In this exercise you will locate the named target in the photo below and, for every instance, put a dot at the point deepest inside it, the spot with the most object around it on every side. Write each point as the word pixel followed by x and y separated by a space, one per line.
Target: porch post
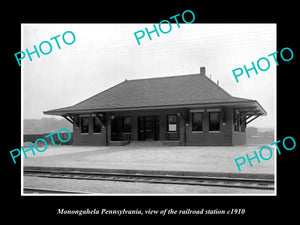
pixel 184 115
pixel 108 128
pixel 182 128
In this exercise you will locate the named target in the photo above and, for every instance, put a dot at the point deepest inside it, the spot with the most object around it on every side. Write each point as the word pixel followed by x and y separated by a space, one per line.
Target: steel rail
pixel 30 190
pixel 234 182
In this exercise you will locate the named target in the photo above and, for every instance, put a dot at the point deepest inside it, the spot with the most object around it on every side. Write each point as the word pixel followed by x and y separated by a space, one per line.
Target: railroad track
pixel 111 175
pixel 29 190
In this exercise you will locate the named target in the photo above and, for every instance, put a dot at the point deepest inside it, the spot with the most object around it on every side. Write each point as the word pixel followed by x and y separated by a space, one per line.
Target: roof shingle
pixel 153 92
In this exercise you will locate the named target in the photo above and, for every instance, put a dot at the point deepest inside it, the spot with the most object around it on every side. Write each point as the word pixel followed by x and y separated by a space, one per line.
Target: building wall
pixel 206 137
pixel 226 135
pixel 89 139
pixel 161 113
pixel 239 138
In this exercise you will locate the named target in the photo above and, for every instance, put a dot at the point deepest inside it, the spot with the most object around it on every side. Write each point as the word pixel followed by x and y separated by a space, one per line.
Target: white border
pixel 22 111
pixel 125 194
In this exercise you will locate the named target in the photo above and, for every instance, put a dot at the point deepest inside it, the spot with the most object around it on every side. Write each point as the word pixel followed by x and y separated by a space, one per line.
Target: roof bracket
pixel 101 118
pixel 72 118
pixel 257 115
pixel 246 114
pixel 71 121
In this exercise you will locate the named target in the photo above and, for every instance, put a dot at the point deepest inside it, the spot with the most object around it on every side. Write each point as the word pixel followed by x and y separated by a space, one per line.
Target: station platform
pixel 204 159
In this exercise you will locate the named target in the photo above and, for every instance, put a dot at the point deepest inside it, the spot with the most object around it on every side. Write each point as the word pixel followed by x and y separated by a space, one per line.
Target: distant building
pixel 252 131
pixel 258 136
pixel 175 110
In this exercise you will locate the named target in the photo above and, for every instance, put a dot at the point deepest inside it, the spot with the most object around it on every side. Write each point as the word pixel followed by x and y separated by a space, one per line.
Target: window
pixel 126 124
pixel 84 122
pixel 172 123
pixel 197 121
pixel 214 121
pixel 96 125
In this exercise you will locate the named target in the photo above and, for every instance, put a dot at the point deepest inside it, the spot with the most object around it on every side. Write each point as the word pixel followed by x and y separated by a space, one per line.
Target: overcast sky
pixel 104 55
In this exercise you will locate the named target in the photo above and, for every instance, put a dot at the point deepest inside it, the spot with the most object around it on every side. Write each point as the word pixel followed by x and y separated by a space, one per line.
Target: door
pixel 148 128
pixel 141 128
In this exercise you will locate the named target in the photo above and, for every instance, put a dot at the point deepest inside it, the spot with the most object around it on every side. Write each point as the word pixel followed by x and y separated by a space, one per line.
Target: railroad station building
pixel 175 110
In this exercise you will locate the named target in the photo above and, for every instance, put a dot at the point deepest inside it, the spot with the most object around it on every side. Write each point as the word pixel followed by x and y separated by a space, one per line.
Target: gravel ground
pixel 179 158
pixel 113 187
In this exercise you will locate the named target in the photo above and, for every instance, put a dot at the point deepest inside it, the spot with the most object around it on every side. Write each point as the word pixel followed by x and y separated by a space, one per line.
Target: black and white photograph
pixel 149 111
pixel 106 112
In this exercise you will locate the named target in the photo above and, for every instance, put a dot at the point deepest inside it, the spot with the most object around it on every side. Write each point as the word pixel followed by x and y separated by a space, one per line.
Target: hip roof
pixel 173 91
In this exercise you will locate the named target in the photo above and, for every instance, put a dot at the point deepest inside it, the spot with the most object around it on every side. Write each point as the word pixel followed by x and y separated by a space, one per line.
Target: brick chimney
pixel 202 71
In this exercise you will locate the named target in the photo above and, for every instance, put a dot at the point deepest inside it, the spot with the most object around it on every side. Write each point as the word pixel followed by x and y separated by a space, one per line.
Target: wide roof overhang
pixel 248 107
pixel 248 110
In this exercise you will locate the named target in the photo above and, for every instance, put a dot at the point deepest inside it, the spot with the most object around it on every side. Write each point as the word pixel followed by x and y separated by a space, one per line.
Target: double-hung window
pixel 126 124
pixel 214 121
pixel 96 125
pixel 197 121
pixel 84 125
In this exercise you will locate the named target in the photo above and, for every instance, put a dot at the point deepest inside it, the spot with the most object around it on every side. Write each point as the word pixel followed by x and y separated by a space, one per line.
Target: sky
pixel 104 55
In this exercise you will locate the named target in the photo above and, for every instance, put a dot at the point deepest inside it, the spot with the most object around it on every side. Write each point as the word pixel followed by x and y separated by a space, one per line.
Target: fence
pixel 64 136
